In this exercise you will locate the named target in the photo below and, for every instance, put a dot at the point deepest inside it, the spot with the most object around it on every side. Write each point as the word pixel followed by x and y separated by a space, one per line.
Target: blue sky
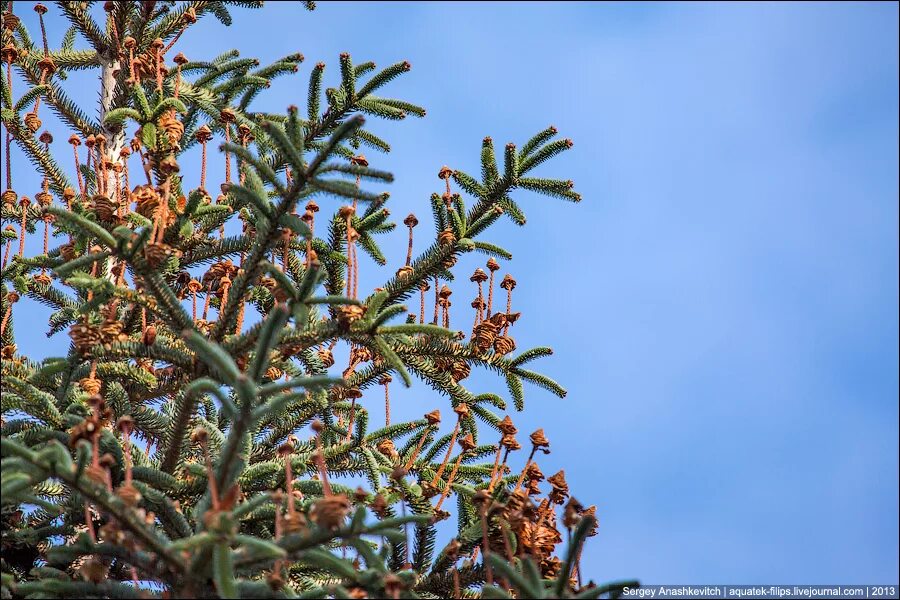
pixel 723 303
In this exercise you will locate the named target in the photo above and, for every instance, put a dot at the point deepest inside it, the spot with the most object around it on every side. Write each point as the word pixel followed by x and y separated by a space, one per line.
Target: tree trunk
pixel 115 140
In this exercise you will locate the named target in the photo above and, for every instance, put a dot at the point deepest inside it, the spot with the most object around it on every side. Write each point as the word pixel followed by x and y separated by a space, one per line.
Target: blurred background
pixel 723 303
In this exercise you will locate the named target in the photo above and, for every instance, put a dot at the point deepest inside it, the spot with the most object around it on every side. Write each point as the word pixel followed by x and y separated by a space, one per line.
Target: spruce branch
pixel 213 352
pixel 57 464
pixel 35 153
pixel 77 13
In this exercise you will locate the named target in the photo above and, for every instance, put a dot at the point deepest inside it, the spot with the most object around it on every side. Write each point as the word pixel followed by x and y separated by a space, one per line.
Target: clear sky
pixel 723 303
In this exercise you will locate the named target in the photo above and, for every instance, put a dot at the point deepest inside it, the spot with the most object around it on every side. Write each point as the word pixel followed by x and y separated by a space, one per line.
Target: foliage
pixel 161 457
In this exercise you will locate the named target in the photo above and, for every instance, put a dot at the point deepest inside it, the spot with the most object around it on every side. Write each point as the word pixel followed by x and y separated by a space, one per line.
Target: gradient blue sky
pixel 723 303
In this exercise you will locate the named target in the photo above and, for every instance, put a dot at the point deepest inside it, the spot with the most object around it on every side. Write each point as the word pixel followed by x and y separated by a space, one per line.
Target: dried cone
pixel 506 426
pixel 484 334
pixel 32 122
pixel 112 331
pixel 447 237
pixel 203 134
pixel 386 447
pixel 360 354
pixel 345 212
pixel 294 522
pixel 11 233
pixel 146 364
pixel 84 337
pixel 245 133
pixel 224 286
pixel 538 539
pixel 172 127
pixel 289 349
pixel 360 495
pixel 591 513
pixel 349 313
pixel 226 115
pixel 83 431
pixel 146 200
pixel 504 344
pixel 104 207
pixel 326 357
pixel 560 490
pixel 90 385
pixel 169 165
pixel 67 251
pixel 509 441
pixel 572 513
pixel 379 505
pixel 518 501
pixel 10 21
pixel 47 64
pixel 9 53
pixel 217 271
pixel 462 410
pixel 157 253
pixel 45 199
pixel 148 338
pixel 459 370
pixel 550 567
pixel 398 473
pixel 539 440
pixel 533 472
pixel 331 511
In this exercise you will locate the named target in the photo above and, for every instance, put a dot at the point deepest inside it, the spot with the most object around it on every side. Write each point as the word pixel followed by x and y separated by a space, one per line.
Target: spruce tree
pixel 197 438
